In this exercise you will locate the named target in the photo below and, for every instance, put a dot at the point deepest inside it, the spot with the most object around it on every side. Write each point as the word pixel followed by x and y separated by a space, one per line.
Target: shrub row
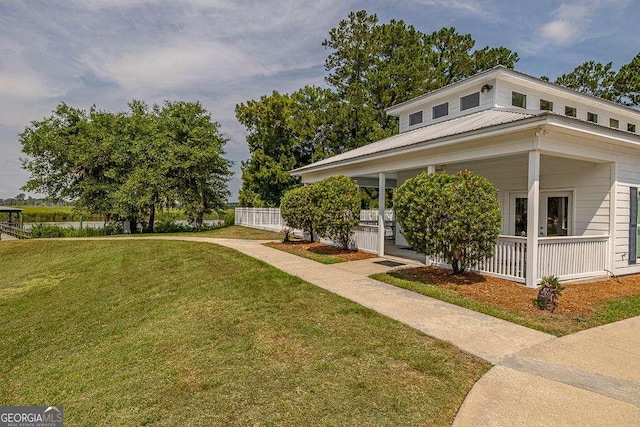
pixel 329 208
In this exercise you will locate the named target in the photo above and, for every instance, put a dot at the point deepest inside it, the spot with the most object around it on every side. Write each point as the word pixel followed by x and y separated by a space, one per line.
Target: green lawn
pixel 143 332
pixel 239 232
pixel 317 257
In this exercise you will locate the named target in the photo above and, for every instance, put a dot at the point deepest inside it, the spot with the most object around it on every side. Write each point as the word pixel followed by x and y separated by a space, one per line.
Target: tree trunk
pixel 455 265
pixel 152 217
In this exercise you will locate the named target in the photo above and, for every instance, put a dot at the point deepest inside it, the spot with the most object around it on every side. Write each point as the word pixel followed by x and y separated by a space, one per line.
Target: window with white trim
pixel 415 118
pixel 470 101
pixel 546 105
pixel 518 99
pixel 570 111
pixel 441 110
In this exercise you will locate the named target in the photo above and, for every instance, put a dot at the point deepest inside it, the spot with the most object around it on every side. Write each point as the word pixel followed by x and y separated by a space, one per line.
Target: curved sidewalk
pixel 591 378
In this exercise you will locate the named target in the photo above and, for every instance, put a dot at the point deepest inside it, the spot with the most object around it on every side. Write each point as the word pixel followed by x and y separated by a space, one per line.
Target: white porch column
pixel 533 211
pixel 381 202
pixel 430 169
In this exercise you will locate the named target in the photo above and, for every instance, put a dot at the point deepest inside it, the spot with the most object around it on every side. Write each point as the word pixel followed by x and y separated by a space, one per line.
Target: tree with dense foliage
pixel 592 78
pixel 299 209
pixel 126 165
pixel 601 80
pixel 338 208
pixel 627 83
pixel 371 66
pixel 453 217
pixel 285 132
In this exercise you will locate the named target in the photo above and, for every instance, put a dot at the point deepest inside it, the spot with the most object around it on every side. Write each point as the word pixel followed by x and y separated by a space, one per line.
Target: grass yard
pixel 238 232
pixel 320 252
pixel 143 332
pixel 67 213
pixel 580 306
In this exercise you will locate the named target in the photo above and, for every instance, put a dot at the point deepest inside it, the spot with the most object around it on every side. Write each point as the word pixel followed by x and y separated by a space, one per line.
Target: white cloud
pixel 573 21
pixel 484 10
pixel 561 32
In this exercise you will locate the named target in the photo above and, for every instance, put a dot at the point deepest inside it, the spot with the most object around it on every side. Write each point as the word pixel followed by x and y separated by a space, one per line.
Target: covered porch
pixel 557 214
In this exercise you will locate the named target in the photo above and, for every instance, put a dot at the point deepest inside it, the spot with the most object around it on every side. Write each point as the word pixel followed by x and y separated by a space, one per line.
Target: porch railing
pixel 565 257
pixel 572 257
pixel 366 238
pixel 372 215
pixel 509 260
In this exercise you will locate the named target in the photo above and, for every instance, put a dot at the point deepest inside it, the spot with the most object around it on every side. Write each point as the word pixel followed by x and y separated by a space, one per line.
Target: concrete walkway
pixel 487 337
pixel 591 378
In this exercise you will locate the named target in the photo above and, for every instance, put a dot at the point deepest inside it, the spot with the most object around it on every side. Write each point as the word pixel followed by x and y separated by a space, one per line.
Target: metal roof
pixel 6 209
pixel 459 125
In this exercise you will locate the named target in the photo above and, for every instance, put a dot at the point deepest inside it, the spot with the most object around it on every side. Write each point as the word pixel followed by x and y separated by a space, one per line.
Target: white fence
pixel 572 257
pixel 371 215
pixel 262 218
pixel 365 236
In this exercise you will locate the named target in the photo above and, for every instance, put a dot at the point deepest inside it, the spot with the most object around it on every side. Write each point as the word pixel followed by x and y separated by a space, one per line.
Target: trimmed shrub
pixel 299 209
pixel 454 217
pixel 338 203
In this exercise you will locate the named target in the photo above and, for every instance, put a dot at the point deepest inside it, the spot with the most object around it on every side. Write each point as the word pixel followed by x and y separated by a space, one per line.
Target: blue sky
pixel 106 52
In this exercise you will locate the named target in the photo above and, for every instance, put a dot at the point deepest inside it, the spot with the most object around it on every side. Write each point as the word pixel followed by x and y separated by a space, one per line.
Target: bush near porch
pixel 581 305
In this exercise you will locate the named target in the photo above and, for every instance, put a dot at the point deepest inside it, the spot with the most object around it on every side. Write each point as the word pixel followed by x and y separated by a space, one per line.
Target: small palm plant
pixel 549 293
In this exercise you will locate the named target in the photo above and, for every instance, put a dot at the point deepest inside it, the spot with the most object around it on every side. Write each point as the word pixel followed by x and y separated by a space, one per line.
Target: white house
pixel 566 166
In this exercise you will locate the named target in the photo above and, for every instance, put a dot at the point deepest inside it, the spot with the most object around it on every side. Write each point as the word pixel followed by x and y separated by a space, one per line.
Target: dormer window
pixel 518 99
pixel 441 110
pixel 613 123
pixel 470 101
pixel 592 117
pixel 570 111
pixel 546 105
pixel 631 127
pixel 415 118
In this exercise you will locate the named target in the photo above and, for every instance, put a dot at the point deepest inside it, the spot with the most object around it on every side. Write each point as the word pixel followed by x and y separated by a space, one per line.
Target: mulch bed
pixel 324 249
pixel 578 299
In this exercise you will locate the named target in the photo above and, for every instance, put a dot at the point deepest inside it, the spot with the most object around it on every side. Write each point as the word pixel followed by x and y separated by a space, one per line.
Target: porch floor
pixel 390 248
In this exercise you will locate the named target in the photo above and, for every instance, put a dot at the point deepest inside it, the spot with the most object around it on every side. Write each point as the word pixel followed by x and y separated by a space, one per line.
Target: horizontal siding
pixel 486 102
pixel 589 182
pixel 628 175
pixel 503 99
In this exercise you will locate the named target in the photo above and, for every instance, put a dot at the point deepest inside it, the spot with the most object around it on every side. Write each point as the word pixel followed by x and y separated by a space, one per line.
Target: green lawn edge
pixel 149 332
pixel 609 312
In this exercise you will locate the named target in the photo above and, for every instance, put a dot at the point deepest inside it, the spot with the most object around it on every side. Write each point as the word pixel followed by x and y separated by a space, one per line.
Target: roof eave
pixel 521 124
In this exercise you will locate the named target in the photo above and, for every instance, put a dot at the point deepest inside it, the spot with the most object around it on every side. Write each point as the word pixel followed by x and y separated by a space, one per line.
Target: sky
pixel 107 52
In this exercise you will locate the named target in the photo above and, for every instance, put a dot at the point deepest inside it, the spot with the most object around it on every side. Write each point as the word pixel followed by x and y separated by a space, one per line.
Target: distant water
pixel 100 224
